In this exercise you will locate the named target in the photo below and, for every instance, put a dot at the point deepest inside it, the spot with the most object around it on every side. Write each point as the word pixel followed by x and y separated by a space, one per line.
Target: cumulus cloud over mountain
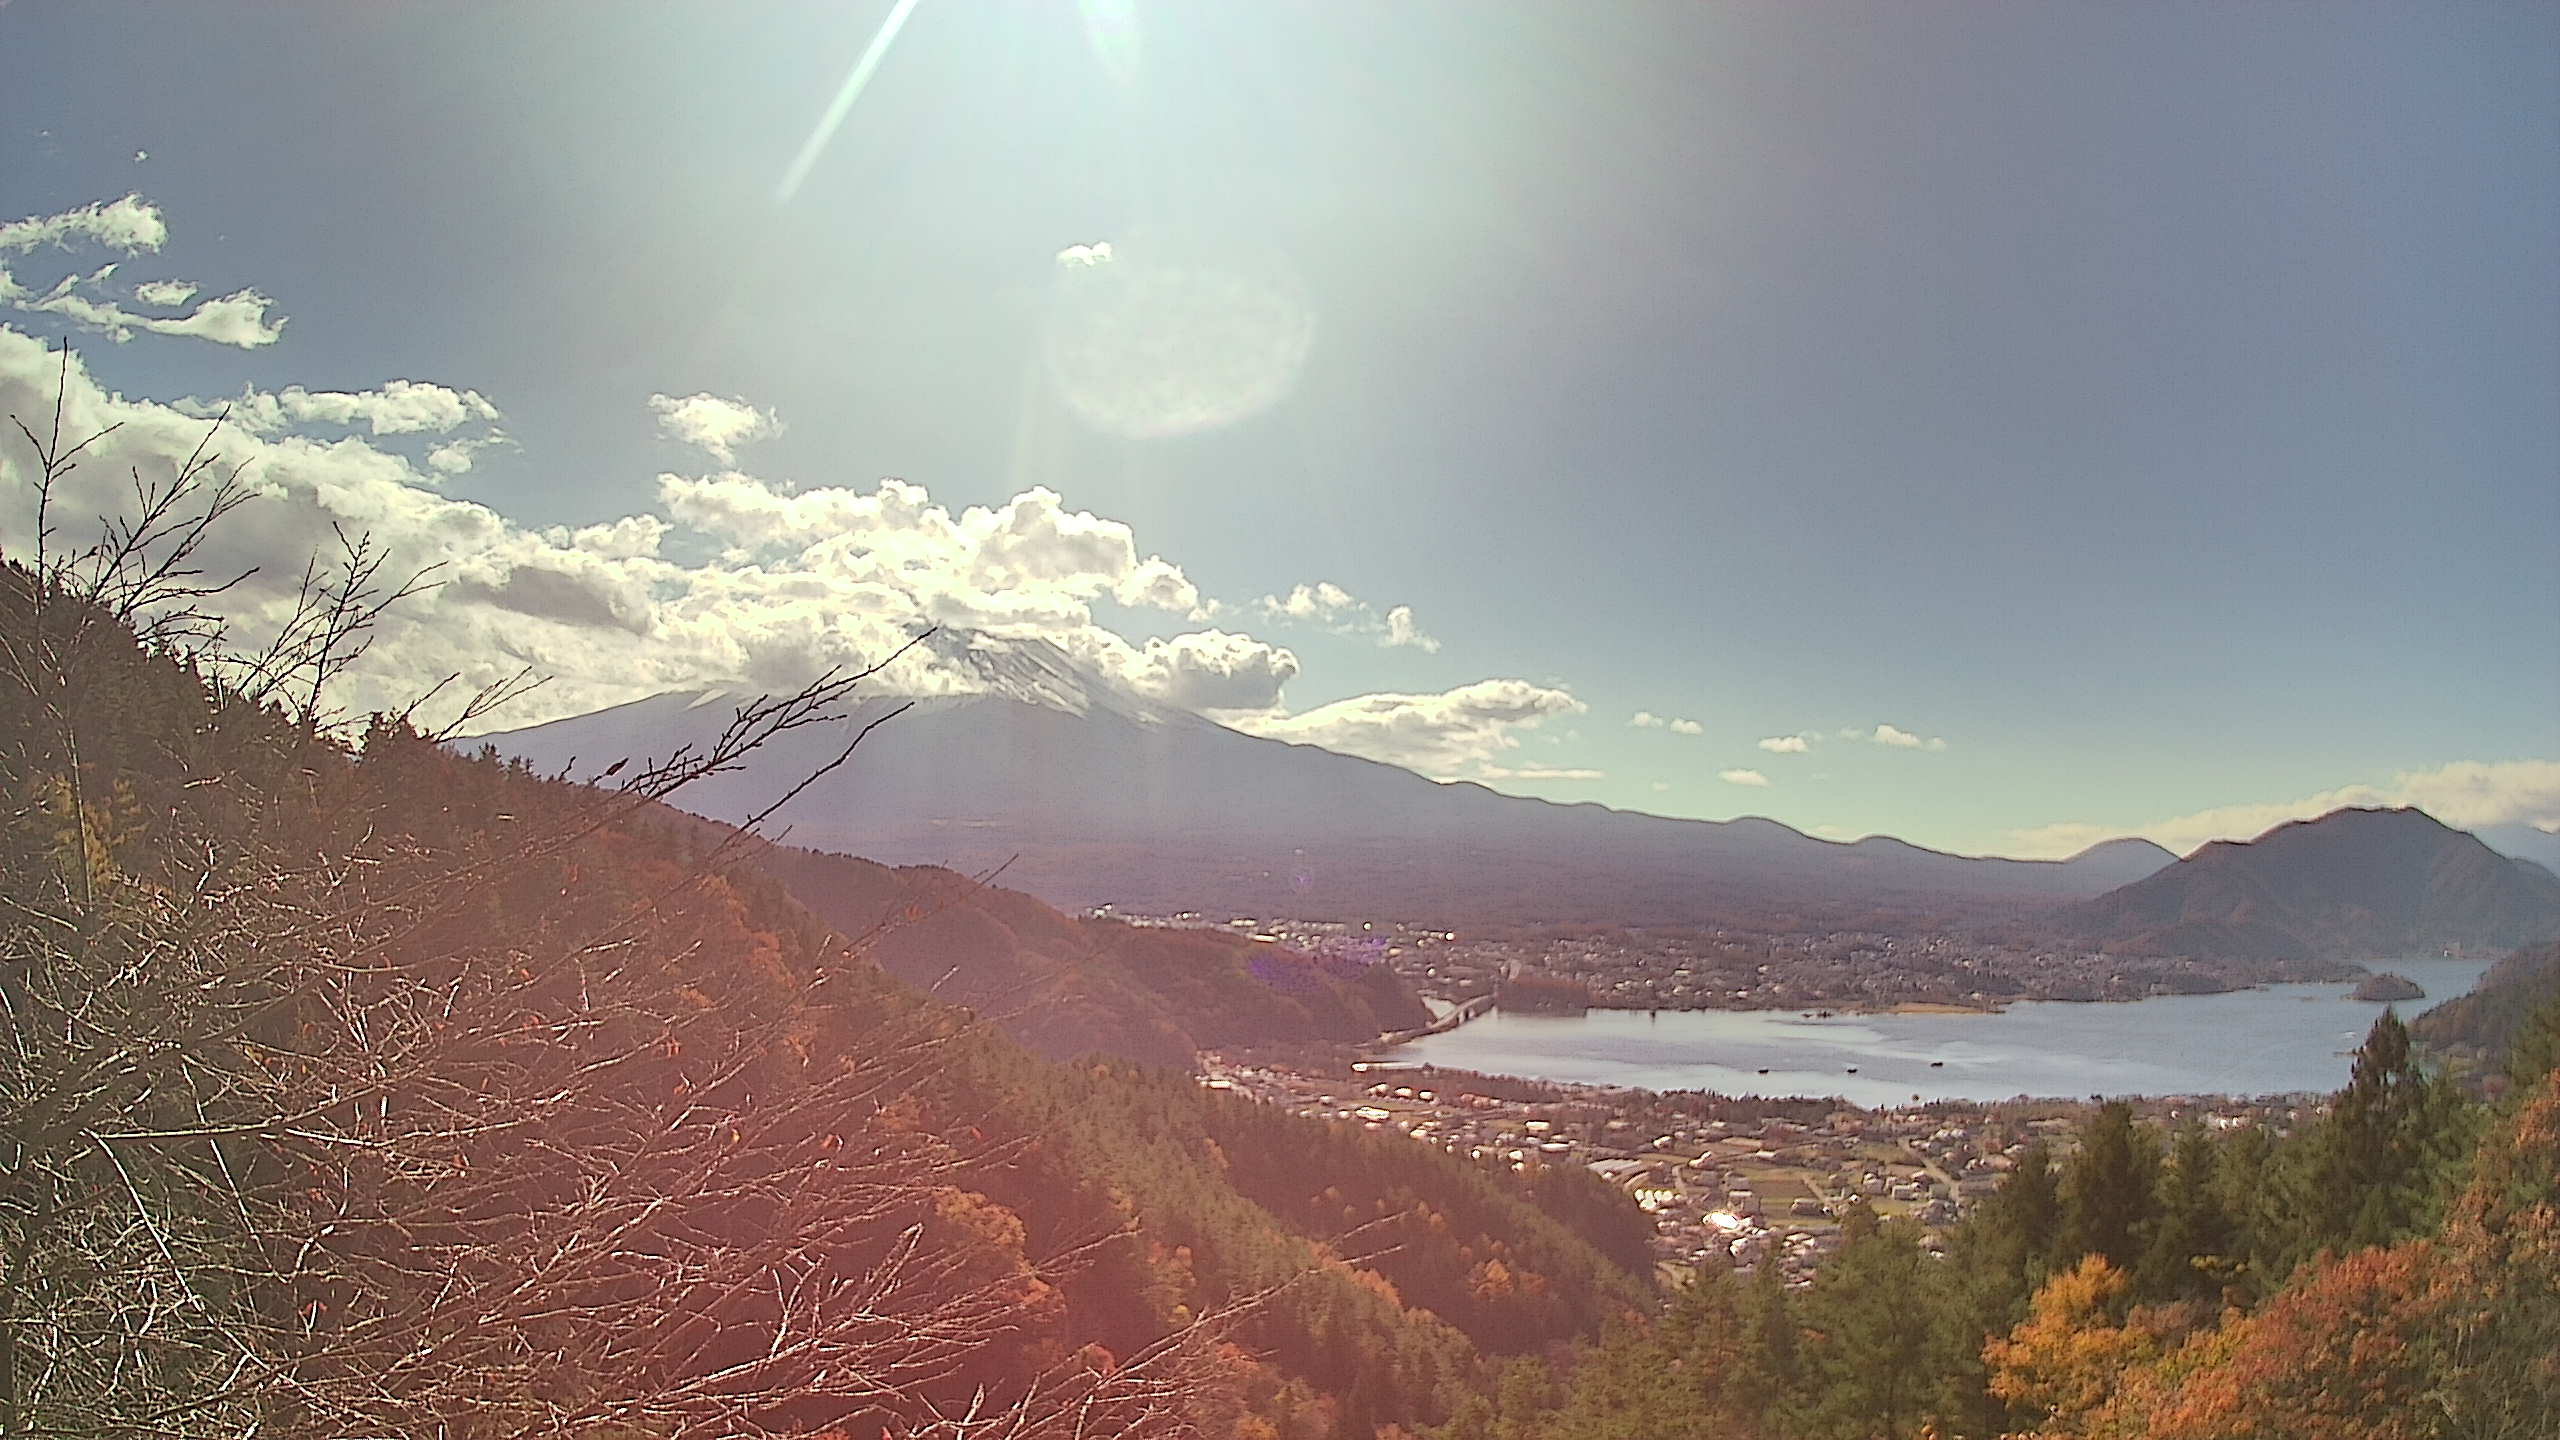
pixel 734 580
pixel 1455 733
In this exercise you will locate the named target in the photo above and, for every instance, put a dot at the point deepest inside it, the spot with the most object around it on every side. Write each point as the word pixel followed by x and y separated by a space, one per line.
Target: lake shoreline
pixel 2280 1039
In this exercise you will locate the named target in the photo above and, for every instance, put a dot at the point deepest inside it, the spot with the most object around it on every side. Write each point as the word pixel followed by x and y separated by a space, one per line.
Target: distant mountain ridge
pixel 2524 842
pixel 1096 795
pixel 2354 884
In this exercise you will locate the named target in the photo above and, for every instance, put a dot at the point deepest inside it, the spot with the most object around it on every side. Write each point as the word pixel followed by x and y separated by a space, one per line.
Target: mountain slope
pixel 1097 797
pixel 2483 1020
pixel 2351 885
pixel 1066 987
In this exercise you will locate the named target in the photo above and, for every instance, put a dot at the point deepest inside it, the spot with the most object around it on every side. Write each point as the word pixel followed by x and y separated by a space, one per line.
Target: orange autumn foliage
pixel 2454 1335
pixel 2064 1359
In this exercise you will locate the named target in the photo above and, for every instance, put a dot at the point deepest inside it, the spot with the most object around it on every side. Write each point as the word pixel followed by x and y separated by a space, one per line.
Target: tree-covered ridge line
pixel 359 1087
pixel 1066 986
pixel 2479 1030
pixel 2389 1271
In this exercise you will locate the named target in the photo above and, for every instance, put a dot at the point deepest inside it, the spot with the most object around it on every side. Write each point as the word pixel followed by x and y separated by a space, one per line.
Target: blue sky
pixel 2157 407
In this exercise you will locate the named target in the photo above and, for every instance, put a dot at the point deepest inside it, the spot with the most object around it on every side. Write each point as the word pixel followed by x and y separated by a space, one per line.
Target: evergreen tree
pixel 1769 1333
pixel 2107 1189
pixel 2029 1206
pixel 2377 1168
pixel 1878 1351
pixel 1991 1271
pixel 2242 1187
pixel 2191 1244
pixel 2534 1052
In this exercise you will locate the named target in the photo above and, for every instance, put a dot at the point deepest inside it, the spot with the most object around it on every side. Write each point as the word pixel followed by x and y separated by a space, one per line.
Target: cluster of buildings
pixel 1846 969
pixel 1755 1181
pixel 1739 969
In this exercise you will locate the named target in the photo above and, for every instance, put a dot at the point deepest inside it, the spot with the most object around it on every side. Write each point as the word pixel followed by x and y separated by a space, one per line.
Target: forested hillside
pixel 364 1088
pixel 2481 1026
pixel 1066 986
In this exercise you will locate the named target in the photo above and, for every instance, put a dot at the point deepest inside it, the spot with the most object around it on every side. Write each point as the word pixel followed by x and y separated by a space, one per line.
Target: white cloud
pixel 1895 737
pixel 1085 257
pixel 1159 584
pixel 1647 720
pixel 400 407
pixel 1659 786
pixel 712 424
pixel 1455 734
pixel 1330 606
pixel 629 538
pixel 131 224
pixel 1403 633
pixel 1540 772
pixel 1324 602
pixel 735 582
pixel 237 319
pixel 2466 794
pixel 1211 670
pixel 1687 727
pixel 1787 744
pixel 1743 777
pixel 776 586
pixel 1031 565
pixel 456 456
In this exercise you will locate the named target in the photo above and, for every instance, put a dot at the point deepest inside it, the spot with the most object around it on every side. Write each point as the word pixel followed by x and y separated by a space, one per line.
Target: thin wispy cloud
pixel 1330 607
pixel 92 300
pixel 2467 794
pixel 1540 772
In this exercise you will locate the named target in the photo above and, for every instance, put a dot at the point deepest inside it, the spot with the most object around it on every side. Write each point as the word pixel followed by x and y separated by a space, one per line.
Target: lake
pixel 2276 1040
